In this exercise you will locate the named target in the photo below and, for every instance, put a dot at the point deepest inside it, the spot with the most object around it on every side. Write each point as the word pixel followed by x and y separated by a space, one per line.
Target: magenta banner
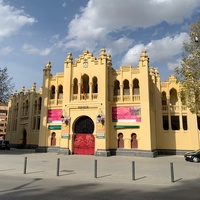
pixel 126 114
pixel 54 115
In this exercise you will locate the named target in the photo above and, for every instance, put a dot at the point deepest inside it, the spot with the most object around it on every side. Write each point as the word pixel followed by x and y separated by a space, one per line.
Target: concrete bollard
pixel 25 165
pixel 172 172
pixel 133 170
pixel 95 168
pixel 58 166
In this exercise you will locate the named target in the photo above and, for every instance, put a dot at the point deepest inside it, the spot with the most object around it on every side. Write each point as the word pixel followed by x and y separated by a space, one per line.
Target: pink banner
pixel 54 115
pixel 126 114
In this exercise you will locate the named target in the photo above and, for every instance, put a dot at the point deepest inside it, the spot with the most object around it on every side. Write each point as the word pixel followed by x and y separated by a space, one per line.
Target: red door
pixel 84 144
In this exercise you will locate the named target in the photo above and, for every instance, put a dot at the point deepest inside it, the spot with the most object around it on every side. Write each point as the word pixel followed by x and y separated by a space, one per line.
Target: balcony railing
pixel 136 98
pixel 95 96
pixel 51 101
pixel 126 98
pixel 174 108
pixel 116 98
pixel 60 101
pixel 184 108
pixel 84 96
pixel 74 97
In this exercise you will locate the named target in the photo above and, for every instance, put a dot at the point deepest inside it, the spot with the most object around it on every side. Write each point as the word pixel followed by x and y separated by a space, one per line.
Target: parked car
pixel 4 144
pixel 193 156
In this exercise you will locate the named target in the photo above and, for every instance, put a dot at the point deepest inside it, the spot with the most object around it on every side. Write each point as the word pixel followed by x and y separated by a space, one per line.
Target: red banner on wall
pixel 126 114
pixel 54 115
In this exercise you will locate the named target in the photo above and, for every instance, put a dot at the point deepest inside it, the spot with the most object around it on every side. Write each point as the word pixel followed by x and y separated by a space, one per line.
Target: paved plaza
pixel 29 175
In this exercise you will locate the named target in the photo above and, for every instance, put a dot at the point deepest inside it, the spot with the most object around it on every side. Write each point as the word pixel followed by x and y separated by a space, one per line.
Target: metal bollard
pixel 95 168
pixel 133 170
pixel 58 166
pixel 172 172
pixel 25 165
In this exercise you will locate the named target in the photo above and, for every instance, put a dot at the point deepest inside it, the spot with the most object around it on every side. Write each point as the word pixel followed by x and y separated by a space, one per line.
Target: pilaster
pixel 43 135
pixel 146 136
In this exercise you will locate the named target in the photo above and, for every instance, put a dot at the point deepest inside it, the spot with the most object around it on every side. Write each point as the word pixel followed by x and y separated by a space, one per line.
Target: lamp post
pixel 62 118
pixel 99 117
pixel 64 114
pixel 196 39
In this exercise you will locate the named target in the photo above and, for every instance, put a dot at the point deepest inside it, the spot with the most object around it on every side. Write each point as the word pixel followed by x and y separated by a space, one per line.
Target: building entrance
pixel 84 141
pixel 24 139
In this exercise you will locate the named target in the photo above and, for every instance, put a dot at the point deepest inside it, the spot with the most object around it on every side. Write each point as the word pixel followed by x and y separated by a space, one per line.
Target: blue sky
pixel 33 32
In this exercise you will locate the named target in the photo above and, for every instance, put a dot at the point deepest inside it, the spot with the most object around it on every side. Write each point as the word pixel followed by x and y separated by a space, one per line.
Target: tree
pixel 6 86
pixel 188 75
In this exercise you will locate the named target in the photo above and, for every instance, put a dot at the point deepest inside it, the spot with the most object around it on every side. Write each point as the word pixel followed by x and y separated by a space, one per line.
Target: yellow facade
pixel 3 119
pixel 91 108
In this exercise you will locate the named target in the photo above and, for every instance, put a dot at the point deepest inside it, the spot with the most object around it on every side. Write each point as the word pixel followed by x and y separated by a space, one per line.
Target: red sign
pixel 54 115
pixel 84 144
pixel 126 114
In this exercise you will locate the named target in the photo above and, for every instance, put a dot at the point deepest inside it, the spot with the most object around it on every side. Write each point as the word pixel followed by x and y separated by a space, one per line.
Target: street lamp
pixel 62 118
pixel 196 39
pixel 99 118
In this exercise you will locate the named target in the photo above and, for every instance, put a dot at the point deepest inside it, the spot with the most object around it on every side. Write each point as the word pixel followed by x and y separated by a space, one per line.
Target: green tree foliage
pixel 189 72
pixel 6 86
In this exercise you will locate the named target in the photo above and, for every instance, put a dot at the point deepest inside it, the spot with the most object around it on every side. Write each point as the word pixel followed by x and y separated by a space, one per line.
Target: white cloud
pixel 30 49
pixel 12 20
pixel 133 54
pixel 171 65
pixel 161 1
pixel 99 19
pixel 6 50
pixel 165 49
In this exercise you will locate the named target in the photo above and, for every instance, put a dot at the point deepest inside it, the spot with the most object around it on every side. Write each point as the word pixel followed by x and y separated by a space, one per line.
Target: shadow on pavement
pixel 43 190
pixel 14 151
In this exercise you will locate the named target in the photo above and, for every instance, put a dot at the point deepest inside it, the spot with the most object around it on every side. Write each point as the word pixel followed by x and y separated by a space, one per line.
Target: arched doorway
pixel 24 138
pixel 53 139
pixel 134 142
pixel 120 140
pixel 84 138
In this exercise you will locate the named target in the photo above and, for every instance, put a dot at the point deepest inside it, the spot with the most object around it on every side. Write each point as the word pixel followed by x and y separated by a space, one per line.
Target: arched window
pixel 17 108
pixel 35 107
pixel 60 92
pixel 75 86
pixel 85 84
pixel 94 85
pixel 126 90
pixel 136 88
pixel 164 99
pixel 173 97
pixel 15 117
pixel 40 103
pixel 52 94
pixel 26 108
pixel 116 88
pixel 23 109
pixel 120 140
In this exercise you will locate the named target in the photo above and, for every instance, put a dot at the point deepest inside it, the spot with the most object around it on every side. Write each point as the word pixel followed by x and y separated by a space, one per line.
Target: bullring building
pixel 93 109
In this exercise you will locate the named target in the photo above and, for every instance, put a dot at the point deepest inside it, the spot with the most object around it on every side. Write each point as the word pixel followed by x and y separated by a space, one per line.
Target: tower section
pixel 43 135
pixel 85 97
